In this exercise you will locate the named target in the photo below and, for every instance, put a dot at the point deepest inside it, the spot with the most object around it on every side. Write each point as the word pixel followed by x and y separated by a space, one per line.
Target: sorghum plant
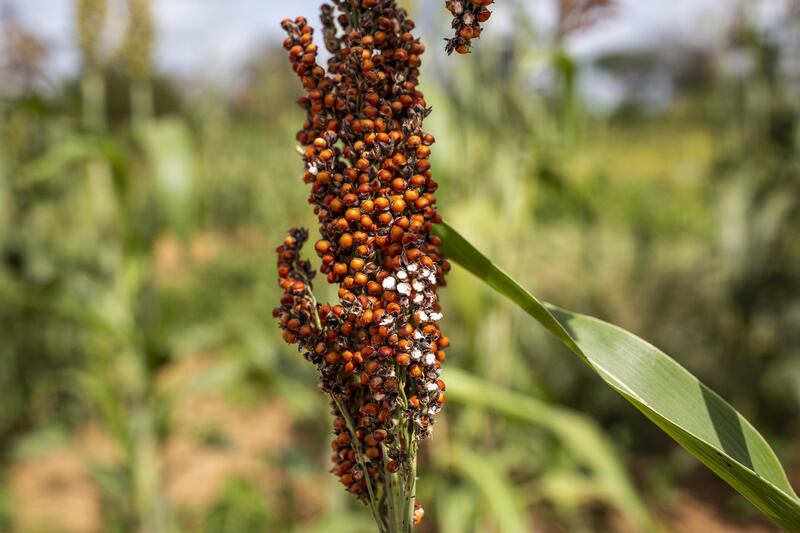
pixel 467 18
pixel 90 22
pixel 379 350
pixel 137 52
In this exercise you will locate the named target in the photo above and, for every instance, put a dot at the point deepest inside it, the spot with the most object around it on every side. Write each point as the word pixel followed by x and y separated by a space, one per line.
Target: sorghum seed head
pixel 467 18
pixel 367 160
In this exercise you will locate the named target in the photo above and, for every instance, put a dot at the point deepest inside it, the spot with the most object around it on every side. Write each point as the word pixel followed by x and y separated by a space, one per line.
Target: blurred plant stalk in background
pixel 137 53
pixel 90 21
pixel 130 404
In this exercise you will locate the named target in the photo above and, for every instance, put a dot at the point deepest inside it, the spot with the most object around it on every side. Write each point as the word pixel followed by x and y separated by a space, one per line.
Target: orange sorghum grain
pixel 367 162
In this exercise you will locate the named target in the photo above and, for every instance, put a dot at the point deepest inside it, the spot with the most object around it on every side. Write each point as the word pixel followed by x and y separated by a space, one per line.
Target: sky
pixel 207 36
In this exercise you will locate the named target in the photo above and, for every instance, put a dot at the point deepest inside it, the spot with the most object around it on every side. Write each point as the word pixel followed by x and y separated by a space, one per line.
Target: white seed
pixel 416 353
pixel 432 386
pixel 404 289
pixel 412 267
pixel 389 283
pixel 429 358
pixel 418 297
pixel 418 285
pixel 436 316
pixel 423 316
pixel 401 274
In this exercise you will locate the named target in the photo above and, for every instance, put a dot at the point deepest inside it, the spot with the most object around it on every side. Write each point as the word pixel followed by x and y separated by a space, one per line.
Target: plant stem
pixel 141 94
pixel 93 96
pixel 400 493
pixel 373 502
pixel 403 483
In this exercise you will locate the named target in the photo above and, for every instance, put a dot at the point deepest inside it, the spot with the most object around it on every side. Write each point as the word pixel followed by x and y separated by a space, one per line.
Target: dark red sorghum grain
pixel 379 350
pixel 467 18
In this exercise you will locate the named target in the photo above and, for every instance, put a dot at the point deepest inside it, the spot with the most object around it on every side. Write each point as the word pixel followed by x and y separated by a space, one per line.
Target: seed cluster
pixel 467 18
pixel 379 350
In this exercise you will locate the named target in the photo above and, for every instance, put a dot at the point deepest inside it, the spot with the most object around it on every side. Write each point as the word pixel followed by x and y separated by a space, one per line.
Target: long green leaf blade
pixel 495 487
pixel 669 395
pixel 579 435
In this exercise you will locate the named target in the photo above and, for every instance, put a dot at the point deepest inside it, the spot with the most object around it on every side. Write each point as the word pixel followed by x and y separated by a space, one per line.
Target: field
pixel 144 385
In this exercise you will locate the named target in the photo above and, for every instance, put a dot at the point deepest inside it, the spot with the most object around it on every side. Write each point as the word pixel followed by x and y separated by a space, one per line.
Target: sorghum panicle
pixel 379 350
pixel 467 18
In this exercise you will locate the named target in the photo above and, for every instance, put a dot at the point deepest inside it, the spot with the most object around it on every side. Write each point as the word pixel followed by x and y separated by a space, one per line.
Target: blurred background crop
pixel 635 160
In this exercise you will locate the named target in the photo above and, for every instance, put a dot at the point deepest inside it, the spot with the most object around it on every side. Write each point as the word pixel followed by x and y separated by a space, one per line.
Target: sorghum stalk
pixel 90 19
pixel 379 350
pixel 137 51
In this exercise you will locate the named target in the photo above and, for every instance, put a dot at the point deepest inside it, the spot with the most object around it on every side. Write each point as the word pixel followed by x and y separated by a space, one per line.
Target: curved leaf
pixel 668 394
pixel 493 485
pixel 579 435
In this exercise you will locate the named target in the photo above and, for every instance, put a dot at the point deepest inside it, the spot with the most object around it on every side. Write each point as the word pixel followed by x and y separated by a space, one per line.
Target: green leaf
pixel 669 395
pixel 580 436
pixel 168 147
pixel 455 508
pixel 493 485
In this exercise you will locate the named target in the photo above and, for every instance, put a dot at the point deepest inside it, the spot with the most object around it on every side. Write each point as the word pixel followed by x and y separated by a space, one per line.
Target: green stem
pixel 373 502
pixel 146 462
pixel 314 310
pixel 352 16
pixel 412 481
pixel 4 185
pixel 93 96
pixel 141 94
pixel 403 483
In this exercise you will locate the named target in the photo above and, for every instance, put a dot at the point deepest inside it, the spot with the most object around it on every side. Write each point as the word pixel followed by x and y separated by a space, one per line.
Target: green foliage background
pixel 143 383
